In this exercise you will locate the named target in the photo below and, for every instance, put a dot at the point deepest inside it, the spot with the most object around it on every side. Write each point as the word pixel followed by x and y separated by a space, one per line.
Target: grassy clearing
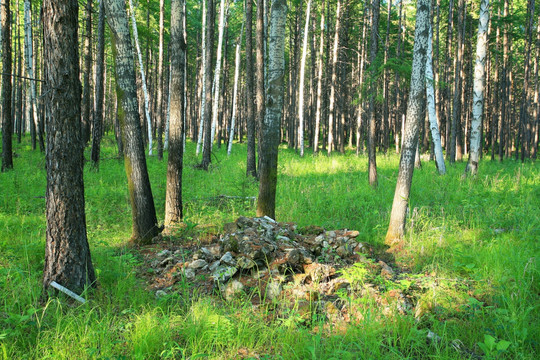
pixel 476 239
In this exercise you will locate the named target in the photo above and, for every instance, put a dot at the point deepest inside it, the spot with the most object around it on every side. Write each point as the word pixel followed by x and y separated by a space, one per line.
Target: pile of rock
pixel 279 259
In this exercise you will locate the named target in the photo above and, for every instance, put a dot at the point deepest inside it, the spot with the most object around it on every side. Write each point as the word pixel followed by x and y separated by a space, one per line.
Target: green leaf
pixel 489 341
pixel 503 345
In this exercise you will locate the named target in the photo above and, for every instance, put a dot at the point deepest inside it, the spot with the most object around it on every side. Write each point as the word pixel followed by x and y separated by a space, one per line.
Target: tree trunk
pixel 478 94
pixel 143 78
pixel 173 202
pixel 235 91
pixel 223 10
pixel 432 112
pixel 320 63
pixel 67 254
pixel 333 83
pixel 301 86
pixel 266 204
pixel 86 114
pixel 456 106
pixel 251 165
pixel 7 119
pixel 260 73
pixel 203 79
pixel 207 148
pixel 142 203
pixel 160 82
pixel 100 87
pixel 396 228
pixel 372 92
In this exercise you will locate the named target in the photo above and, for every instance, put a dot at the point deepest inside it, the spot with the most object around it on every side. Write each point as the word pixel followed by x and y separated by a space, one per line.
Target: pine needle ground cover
pixel 470 263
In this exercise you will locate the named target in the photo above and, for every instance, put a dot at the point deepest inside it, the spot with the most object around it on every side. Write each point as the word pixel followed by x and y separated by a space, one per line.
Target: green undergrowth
pixel 472 245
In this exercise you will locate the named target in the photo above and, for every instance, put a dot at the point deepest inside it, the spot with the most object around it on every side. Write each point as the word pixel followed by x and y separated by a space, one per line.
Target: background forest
pixel 461 283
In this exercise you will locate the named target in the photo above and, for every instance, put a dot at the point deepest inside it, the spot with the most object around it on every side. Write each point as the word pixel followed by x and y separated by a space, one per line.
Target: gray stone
pixel 344 250
pixel 223 273
pixel 166 262
pixel 387 272
pixel 197 264
pixel 213 266
pixel 189 273
pixel 245 263
pixel 233 289
pixel 163 253
pixel 294 257
pixel 228 259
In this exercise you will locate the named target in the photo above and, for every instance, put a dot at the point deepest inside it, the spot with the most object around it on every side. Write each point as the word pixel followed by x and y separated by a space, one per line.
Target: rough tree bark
pixel 266 203
pixel 372 156
pixel 140 194
pixel 7 119
pixel 478 93
pixel 67 254
pixel 173 201
pixel 396 228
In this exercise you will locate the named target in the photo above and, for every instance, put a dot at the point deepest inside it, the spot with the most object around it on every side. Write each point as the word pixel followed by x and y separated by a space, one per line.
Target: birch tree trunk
pixel 217 72
pixel 432 112
pixel 167 123
pixel 235 91
pixel 7 118
pixel 478 93
pixel 140 193
pixel 266 203
pixel 143 77
pixel 301 85
pixel 100 86
pixel 203 72
pixel 67 254
pixel 173 201
pixel 396 228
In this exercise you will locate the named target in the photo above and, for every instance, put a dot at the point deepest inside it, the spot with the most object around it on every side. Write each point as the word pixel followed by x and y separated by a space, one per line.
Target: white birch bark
pixel 29 55
pixel 217 72
pixel 396 229
pixel 432 112
pixel 266 202
pixel 478 88
pixel 203 96
pixel 235 89
pixel 301 89
pixel 143 78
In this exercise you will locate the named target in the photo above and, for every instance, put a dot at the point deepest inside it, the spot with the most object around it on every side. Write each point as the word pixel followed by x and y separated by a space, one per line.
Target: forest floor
pixel 465 285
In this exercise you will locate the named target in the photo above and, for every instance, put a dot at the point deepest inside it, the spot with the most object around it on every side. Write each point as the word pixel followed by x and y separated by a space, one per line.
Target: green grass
pixel 476 238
